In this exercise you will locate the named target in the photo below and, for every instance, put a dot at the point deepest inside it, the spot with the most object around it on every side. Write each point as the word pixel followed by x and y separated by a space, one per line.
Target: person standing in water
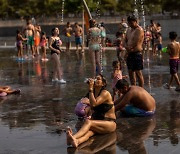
pixel 78 32
pixel 37 36
pixel 94 36
pixel 54 45
pixel 29 32
pixel 68 32
pixel 134 46
pixel 19 44
pixel 43 43
pixel 173 50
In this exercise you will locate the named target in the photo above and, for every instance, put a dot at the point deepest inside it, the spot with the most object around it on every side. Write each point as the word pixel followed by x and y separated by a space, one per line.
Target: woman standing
pixel 54 45
pixel 94 36
pixel 103 117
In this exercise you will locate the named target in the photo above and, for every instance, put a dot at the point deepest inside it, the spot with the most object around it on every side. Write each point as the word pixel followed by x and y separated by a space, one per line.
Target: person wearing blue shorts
pixel 78 32
pixel 135 101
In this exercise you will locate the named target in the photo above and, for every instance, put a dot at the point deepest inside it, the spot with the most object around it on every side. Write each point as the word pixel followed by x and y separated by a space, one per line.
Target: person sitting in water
pixel 5 90
pixel 135 101
pixel 103 117
pixel 83 109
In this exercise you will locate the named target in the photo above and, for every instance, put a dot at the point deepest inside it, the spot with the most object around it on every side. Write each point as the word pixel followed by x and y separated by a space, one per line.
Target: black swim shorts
pixel 135 61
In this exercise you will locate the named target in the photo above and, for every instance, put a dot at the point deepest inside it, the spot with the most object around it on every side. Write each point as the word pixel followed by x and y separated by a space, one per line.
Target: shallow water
pixel 34 122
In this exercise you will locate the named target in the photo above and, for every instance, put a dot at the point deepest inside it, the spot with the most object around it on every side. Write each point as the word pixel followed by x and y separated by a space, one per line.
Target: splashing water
pixel 62 11
pixel 136 14
pixel 101 48
pixel 144 27
pixel 98 9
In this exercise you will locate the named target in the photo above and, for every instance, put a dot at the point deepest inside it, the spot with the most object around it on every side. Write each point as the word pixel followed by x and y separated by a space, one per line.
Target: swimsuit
pixel 56 45
pixel 115 79
pixel 43 42
pixel 134 61
pixel 131 110
pixel 100 111
pixel 94 46
pixel 103 33
pixel 78 40
pixel 67 39
pixel 159 46
pixel 173 63
pixel 30 40
pixel 18 43
pixel 37 41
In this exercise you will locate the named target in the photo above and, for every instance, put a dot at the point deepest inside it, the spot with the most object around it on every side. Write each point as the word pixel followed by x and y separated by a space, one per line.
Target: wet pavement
pixel 34 122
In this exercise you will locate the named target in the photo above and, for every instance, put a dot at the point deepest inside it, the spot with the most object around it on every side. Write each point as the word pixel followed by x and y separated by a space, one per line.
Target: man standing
pixel 133 43
pixel 135 100
pixel 78 32
pixel 29 33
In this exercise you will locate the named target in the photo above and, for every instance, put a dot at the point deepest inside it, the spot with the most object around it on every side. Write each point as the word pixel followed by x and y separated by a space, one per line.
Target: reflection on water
pixel 45 109
pixel 97 144
pixel 133 132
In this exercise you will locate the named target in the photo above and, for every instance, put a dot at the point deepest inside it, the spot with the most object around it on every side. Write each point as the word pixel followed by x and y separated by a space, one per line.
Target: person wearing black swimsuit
pixel 54 46
pixel 103 117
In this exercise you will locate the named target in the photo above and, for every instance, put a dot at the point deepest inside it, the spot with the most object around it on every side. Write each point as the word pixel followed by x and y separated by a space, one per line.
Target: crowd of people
pixel 98 108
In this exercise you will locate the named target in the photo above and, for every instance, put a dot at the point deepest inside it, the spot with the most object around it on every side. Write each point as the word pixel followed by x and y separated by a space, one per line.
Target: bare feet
pixel 71 139
pixel 68 131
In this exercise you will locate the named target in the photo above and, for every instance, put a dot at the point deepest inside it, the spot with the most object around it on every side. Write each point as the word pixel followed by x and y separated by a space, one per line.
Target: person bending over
pixel 135 101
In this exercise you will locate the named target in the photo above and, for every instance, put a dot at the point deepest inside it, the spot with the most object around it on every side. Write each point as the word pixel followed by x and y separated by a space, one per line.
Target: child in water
pixel 19 44
pixel 83 109
pixel 173 49
pixel 119 46
pixel 116 75
pixel 43 43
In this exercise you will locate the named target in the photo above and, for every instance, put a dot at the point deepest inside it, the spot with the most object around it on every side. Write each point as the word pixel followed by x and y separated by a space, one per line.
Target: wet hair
pixel 151 21
pixel 102 24
pixel 131 18
pixel 118 34
pixel 18 31
pixel 43 33
pixel 92 23
pixel 172 35
pixel 116 63
pixel 103 80
pixel 52 31
pixel 121 84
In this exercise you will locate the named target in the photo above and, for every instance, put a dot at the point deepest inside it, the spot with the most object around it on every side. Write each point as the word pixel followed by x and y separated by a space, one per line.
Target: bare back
pixel 140 98
pixel 174 50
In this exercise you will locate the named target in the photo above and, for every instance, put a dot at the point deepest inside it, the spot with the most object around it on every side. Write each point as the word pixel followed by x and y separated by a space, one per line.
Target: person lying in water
pixel 103 117
pixel 6 90
pixel 135 101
